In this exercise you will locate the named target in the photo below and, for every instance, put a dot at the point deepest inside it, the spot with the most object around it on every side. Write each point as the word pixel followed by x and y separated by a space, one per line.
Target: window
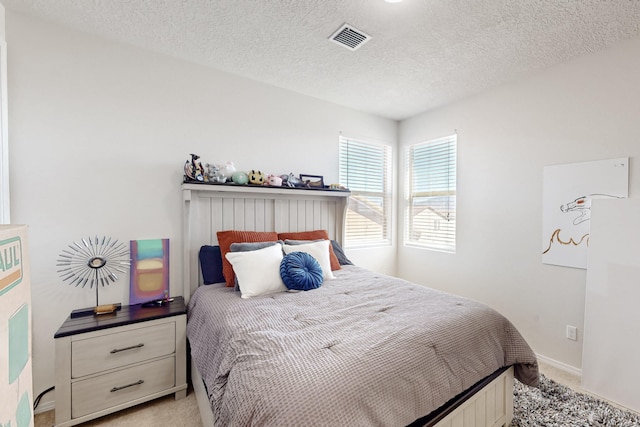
pixel 365 168
pixel 431 204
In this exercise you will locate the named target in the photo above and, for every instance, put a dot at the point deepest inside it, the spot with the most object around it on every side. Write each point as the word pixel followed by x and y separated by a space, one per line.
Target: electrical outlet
pixel 572 333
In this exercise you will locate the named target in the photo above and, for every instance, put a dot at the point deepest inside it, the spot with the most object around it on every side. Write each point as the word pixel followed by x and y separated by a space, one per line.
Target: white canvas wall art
pixel 566 208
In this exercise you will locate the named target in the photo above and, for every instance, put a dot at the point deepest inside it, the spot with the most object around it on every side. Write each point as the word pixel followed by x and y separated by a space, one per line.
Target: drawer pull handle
pixel 117 350
pixel 126 386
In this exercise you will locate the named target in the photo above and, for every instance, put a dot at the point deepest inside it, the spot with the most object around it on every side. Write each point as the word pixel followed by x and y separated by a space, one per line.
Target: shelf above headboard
pixel 259 190
pixel 209 208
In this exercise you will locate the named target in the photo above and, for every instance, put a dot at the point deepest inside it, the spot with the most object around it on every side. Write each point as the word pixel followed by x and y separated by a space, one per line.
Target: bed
pixel 362 349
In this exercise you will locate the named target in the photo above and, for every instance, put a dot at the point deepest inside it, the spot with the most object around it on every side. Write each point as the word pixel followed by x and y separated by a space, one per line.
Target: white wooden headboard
pixel 209 208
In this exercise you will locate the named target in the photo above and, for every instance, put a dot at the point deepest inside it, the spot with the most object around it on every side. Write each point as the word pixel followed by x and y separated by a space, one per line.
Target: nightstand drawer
pixel 104 391
pixel 98 354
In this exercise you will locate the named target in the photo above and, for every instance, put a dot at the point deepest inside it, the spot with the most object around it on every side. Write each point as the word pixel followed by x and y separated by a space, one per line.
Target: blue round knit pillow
pixel 300 271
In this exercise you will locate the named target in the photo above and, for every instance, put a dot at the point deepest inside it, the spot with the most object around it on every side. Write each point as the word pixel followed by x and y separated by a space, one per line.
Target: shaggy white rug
pixel 554 405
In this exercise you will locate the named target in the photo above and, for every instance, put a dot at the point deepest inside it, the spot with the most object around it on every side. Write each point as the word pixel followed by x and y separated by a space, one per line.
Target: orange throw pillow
pixel 313 235
pixel 226 238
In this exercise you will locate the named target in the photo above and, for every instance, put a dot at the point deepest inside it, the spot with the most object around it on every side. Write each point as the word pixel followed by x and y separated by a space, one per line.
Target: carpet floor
pixel 553 404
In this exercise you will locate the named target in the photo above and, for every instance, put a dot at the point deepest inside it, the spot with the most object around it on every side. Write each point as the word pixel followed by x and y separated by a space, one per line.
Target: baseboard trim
pixel 559 365
pixel 45 406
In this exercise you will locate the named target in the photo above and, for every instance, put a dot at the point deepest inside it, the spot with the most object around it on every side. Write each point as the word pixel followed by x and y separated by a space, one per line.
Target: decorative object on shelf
pixel 291 180
pixel 256 177
pixel 312 181
pixel 149 270
pixel 240 177
pixel 193 168
pixel 213 174
pixel 338 187
pixel 227 170
pixel 274 181
pixel 93 261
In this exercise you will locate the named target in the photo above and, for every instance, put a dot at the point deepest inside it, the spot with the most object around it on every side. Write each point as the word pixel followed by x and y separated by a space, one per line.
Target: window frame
pixel 386 194
pixel 450 244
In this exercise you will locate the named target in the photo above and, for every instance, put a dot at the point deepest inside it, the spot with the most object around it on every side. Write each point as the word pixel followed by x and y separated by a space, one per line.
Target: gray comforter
pixel 364 349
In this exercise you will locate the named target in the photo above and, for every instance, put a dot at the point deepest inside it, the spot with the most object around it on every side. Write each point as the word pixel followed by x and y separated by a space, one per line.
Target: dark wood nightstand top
pixel 128 314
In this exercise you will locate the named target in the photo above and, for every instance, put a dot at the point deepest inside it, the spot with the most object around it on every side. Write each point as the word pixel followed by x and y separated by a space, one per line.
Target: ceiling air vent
pixel 350 38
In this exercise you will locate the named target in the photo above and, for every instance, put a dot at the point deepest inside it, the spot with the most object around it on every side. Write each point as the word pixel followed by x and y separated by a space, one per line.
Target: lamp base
pixel 98 310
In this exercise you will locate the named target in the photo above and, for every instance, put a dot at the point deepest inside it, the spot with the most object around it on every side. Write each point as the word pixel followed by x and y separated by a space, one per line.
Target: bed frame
pixel 208 208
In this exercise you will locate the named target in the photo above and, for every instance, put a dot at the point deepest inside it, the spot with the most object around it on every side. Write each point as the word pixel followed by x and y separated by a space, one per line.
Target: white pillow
pixel 258 271
pixel 319 250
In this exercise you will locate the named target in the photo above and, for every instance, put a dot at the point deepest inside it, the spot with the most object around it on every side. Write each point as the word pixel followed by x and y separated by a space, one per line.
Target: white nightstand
pixel 113 361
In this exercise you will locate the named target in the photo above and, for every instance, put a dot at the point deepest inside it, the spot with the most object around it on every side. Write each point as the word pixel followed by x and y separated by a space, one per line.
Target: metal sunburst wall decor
pixel 93 261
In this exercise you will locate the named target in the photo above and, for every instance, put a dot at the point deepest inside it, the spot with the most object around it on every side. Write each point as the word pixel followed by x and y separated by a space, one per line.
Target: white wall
pixel 99 132
pixel 584 110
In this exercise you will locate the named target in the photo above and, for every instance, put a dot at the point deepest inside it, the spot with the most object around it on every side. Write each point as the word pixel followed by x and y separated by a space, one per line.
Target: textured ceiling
pixel 423 53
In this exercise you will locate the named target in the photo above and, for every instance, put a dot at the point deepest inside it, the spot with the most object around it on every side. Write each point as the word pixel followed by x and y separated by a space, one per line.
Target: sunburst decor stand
pixel 94 261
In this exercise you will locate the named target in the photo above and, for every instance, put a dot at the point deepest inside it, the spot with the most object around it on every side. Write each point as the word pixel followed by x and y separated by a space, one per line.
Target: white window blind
pixel 365 168
pixel 431 204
